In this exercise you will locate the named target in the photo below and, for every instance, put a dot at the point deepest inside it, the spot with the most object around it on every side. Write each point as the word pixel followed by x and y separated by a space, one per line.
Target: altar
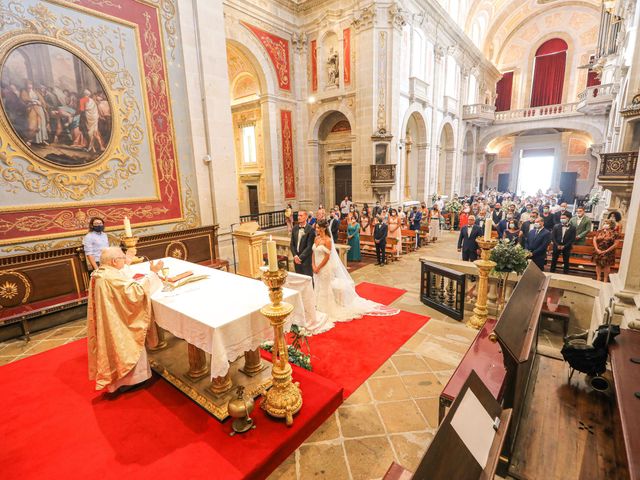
pixel 210 333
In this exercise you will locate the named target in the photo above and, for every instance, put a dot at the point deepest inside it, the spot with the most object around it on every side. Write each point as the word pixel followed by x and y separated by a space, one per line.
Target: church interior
pixel 294 239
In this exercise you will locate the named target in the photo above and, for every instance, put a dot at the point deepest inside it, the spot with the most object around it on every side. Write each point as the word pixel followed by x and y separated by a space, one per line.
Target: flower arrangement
pixel 509 258
pixel 594 199
pixel 434 198
pixel 453 206
pixel 296 355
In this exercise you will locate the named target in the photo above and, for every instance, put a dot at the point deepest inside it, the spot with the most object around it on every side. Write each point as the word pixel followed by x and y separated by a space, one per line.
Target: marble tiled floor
pixel 392 416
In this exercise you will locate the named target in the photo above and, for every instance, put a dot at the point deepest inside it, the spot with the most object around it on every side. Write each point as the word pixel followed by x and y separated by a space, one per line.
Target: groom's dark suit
pixel 301 245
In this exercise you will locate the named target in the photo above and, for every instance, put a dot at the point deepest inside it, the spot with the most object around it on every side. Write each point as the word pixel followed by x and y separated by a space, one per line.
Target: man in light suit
pixel 467 240
pixel 301 246
pixel 537 241
pixel 582 224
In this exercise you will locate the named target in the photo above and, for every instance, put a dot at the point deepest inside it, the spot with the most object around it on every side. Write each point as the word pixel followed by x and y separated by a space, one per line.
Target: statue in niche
pixel 333 71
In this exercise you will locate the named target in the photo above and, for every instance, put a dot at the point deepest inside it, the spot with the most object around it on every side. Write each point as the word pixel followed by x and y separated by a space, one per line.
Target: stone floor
pixel 392 416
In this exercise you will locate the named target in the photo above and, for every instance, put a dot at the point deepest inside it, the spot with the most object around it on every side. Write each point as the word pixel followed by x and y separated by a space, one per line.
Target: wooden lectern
pixel 249 240
pixel 457 445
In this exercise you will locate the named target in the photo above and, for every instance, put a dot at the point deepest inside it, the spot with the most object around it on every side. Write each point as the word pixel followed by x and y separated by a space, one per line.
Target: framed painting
pixel 56 104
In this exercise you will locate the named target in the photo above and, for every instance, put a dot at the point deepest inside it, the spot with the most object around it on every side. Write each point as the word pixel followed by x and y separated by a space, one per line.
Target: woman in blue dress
pixel 353 239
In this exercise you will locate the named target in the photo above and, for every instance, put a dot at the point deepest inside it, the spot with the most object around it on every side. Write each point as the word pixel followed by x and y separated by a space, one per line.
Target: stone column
pixel 626 283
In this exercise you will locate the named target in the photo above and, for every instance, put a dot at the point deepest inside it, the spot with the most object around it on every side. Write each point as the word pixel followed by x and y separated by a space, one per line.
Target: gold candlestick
pixel 131 242
pixel 284 398
pixel 484 266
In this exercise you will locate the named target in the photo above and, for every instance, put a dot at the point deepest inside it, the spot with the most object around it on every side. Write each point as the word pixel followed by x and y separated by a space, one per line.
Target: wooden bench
pixel 581 258
pixel 562 313
pixel 408 240
pixel 626 377
pixel 368 247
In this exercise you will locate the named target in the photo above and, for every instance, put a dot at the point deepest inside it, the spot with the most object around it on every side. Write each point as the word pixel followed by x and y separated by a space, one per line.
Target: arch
pixel 244 41
pixel 559 123
pixel 446 150
pixel 549 70
pixel 322 113
pixel 413 162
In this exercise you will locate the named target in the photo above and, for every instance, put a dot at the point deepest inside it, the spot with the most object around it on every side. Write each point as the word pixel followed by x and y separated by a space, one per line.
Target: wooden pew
pixel 626 377
pixel 368 247
pixel 408 240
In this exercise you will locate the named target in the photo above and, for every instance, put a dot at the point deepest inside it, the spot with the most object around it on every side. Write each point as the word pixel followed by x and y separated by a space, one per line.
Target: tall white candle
pixel 487 229
pixel 272 255
pixel 127 228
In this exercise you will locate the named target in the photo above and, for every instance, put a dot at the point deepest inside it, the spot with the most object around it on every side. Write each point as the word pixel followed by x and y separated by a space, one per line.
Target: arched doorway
pixel 334 154
pixel 445 160
pixel 468 165
pixel 246 86
pixel 413 177
pixel 548 73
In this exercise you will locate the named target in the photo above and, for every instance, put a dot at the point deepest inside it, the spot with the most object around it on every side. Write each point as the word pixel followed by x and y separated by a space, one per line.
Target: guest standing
pixel 95 242
pixel 468 240
pixel 345 205
pixel 582 224
pixel 365 226
pixel 334 224
pixel 513 232
pixel 414 223
pixel 380 239
pixel 288 217
pixel 434 223
pixel 537 242
pixel 395 229
pixel 353 239
pixel 605 244
pixel 563 238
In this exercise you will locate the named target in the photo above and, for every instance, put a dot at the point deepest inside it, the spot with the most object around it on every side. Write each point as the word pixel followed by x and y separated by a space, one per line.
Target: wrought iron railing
pixel 442 289
pixel 266 219
pixel 621 164
pixel 385 173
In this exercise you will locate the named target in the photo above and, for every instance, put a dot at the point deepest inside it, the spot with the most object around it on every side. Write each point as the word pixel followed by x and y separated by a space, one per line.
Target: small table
pixel 562 312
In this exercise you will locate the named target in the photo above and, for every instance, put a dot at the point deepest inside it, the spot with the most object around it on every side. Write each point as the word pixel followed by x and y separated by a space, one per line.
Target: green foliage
pixel 296 355
pixel 509 257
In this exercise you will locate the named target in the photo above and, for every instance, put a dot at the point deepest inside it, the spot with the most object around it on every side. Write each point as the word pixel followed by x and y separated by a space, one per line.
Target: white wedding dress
pixel 336 296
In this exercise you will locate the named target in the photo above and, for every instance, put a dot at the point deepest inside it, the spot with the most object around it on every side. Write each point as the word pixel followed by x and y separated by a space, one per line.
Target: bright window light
pixel 249 144
pixel 535 174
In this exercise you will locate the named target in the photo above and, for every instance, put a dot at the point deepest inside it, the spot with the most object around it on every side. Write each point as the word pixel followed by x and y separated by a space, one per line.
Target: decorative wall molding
pixel 288 165
pixel 278 50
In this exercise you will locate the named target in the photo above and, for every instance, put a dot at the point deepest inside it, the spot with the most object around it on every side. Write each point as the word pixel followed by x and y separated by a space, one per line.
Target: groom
pixel 302 238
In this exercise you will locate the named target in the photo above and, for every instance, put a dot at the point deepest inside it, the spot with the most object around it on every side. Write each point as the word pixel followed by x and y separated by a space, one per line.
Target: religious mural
pixel 55 104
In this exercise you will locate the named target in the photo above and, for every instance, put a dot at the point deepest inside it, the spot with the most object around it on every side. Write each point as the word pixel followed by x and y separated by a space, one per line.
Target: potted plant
pixel 509 258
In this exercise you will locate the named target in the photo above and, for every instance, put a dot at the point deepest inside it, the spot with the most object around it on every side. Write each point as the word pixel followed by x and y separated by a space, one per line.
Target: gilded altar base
pixel 172 363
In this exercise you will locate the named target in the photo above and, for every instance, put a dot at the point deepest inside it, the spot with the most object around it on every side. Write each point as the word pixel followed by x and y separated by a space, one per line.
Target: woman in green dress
pixel 353 237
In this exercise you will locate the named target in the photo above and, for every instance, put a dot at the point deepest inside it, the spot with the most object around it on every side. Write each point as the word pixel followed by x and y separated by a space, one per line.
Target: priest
pixel 119 318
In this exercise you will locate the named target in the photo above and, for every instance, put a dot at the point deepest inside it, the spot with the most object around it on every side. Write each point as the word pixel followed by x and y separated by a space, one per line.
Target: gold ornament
pixel 485 266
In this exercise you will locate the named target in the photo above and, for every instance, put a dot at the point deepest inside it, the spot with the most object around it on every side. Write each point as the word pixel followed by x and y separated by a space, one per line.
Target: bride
pixel 335 291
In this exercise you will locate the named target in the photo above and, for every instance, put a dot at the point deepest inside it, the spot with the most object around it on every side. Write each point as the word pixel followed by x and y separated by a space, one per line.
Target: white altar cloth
pixel 220 314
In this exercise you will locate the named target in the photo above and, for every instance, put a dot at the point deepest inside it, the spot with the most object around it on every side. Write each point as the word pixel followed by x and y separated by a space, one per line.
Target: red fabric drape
pixel 503 91
pixel 554 45
pixel 592 79
pixel 548 79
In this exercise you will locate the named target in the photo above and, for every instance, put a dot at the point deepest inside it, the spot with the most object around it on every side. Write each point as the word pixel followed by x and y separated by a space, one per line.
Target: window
pixel 249 144
pixel 536 170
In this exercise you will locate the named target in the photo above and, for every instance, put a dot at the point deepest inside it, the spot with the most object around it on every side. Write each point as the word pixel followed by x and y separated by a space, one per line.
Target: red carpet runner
pixel 55 426
pixel 351 352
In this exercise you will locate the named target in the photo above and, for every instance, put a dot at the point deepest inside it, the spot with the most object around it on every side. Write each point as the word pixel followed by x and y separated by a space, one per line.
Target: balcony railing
pixel 596 99
pixel 418 90
pixel 266 219
pixel 547 111
pixel 451 105
pixel 383 174
pixel 442 289
pixel 479 114
pixel 621 165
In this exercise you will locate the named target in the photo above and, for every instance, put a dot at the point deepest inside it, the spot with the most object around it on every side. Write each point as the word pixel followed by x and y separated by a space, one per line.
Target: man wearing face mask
pixel 563 238
pixel 334 224
pixel 563 211
pixel 537 241
pixel 95 242
pixel 582 224
pixel 504 224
